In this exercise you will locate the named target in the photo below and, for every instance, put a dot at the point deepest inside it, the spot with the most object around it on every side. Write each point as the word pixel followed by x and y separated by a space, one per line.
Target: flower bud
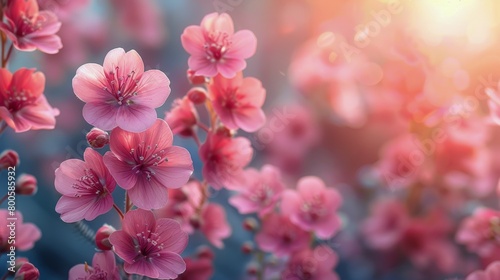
pixel 27 272
pixel 194 79
pixel 8 158
pixel 247 247
pixel 26 184
pixel 195 222
pixel 197 95
pixel 97 138
pixel 252 269
pixel 102 237
pixel 250 224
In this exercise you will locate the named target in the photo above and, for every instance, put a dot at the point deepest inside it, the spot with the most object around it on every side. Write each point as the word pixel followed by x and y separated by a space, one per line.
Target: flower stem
pixel 128 205
pixel 3 198
pixel 203 126
pixel 7 57
pixel 118 210
pixel 196 139
pixel 262 265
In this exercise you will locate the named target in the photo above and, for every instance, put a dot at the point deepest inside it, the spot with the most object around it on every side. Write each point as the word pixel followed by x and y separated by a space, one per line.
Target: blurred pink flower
pixel 280 236
pixel 30 29
pixel 494 103
pixel 142 20
pixel 215 48
pixel 492 272
pixel 480 233
pixel 22 103
pixel 64 9
pixel 224 158
pixel 313 207
pixel 197 269
pixel 86 188
pixel 214 224
pixel 146 164
pixel 27 271
pixel 8 158
pixel 103 267
pixel 260 192
pixel 182 117
pixel 120 93
pixel 150 247
pixel 312 264
pixel 238 101
pixel 26 234
pixel 386 225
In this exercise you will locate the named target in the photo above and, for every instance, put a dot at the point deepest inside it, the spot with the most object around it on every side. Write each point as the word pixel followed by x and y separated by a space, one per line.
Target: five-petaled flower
pixel 146 164
pixel 31 29
pixel 86 187
pixel 22 103
pixel 215 48
pixel 120 93
pixel 150 247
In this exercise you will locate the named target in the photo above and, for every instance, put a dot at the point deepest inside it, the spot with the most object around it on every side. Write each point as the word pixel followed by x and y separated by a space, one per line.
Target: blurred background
pixel 384 100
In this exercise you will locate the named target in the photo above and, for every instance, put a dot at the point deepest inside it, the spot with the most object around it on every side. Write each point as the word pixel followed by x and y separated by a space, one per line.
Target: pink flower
pixel 150 247
pixel 103 267
pixel 26 234
pixel 214 224
pixel 224 158
pixel 182 118
pixel 86 187
pixel 120 93
pixel 63 9
pixel 238 102
pixel 197 269
pixel 481 233
pixel 30 29
pixel 260 192
pixel 280 236
pixel 97 138
pixel 313 207
pixel 494 104
pixel 386 225
pixel 492 272
pixel 22 103
pixel 317 264
pixel 146 164
pixel 215 48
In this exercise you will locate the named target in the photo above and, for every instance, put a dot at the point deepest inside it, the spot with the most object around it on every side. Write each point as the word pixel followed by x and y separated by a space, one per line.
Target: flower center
pixel 147 245
pixel 262 194
pixel 146 156
pixel 89 184
pixel 122 86
pixel 16 99
pixel 313 210
pixel 216 46
pixel 30 24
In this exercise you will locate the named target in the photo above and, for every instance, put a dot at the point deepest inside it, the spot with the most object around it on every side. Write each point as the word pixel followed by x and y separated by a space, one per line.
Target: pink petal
pixel 202 66
pixel 135 117
pixel 193 41
pixel 123 245
pixel 243 46
pixel 290 202
pixel 230 67
pixel 153 89
pixel 138 220
pixel 73 209
pixel 215 23
pixel 89 83
pixel 171 235
pixel 250 119
pixel 243 204
pixel 122 171
pixel 26 235
pixel 101 115
pixel 328 228
pixel 122 64
pixel 47 44
pixel 169 265
pixel 148 194
pixel 142 267
pixel 174 172
pixel 105 260
pixel 254 93
pixel 78 272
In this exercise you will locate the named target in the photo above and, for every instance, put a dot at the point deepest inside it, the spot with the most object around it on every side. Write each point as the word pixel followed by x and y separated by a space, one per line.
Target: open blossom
pixel 146 164
pixel 313 207
pixel 481 233
pixel 214 224
pixel 260 191
pixel 26 233
pixel 215 48
pixel 312 264
pixel 103 267
pixel 386 225
pixel 29 28
pixel 86 187
pixel 492 272
pixel 224 158
pixel 280 236
pixel 182 118
pixel 150 247
pixel 238 101
pixel 120 93
pixel 22 103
